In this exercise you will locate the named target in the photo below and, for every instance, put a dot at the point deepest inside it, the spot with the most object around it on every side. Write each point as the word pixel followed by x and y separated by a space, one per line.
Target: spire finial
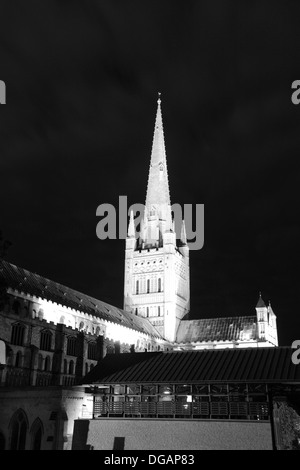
pixel 159 95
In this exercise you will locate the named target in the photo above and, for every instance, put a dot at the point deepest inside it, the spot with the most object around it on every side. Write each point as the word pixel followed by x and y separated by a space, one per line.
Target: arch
pixel 36 431
pixel 18 430
pixel 41 314
pixel 18 360
pixel 45 340
pixel 47 364
pixel 17 334
pixel 40 361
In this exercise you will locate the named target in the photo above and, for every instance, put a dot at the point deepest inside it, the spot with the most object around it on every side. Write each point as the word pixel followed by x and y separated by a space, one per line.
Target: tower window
pixel 17 334
pixel 148 286
pixel 137 287
pixel 147 311
pixel 92 351
pixel 136 311
pixel 158 311
pixel 71 346
pixel 45 343
pixel 159 285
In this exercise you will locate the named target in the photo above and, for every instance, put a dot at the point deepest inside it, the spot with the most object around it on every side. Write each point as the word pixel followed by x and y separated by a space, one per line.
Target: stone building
pixel 51 335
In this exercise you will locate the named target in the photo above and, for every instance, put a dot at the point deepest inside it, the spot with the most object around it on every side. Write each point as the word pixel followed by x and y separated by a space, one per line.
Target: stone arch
pixel 36 432
pixel 18 359
pixel 18 428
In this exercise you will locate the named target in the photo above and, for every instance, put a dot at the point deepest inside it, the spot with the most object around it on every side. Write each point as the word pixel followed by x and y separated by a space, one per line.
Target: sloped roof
pixel 223 365
pixel 260 302
pixel 217 329
pixel 33 284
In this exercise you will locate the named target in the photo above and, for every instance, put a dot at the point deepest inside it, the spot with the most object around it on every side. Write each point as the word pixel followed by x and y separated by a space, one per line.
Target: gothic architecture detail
pixel 156 284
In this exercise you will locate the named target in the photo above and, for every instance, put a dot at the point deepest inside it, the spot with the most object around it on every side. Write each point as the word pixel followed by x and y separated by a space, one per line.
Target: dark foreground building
pixel 213 399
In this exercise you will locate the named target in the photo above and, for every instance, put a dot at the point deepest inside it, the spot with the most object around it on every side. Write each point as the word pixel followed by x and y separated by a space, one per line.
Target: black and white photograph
pixel 149 227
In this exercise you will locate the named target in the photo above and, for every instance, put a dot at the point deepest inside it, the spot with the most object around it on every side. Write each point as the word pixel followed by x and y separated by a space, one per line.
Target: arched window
pixel 18 431
pixel 92 351
pixel 136 311
pixel 71 346
pixel 41 314
pixel 158 311
pixel 137 287
pixel 71 367
pixel 17 334
pixel 40 361
pixel 18 362
pixel 98 331
pixel 62 319
pixel 47 364
pixel 45 341
pixel 159 284
pixel 65 366
pixel 148 286
pixel 147 311
pixel 81 325
pixel 36 434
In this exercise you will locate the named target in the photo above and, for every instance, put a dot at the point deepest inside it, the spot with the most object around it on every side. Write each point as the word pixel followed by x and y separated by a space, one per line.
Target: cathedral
pixel 53 336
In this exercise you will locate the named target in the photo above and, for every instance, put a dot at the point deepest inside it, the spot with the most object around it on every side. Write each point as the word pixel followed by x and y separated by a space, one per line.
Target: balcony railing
pixel 178 409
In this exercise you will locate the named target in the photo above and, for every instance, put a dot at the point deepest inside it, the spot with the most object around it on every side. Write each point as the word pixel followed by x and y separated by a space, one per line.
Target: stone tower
pixel 156 284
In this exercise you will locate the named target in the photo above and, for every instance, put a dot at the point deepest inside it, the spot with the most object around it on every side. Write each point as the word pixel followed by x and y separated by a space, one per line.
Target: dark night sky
pixel 82 81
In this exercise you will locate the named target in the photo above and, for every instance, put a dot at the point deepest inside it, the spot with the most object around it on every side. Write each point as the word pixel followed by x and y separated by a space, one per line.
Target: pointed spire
pixel 131 227
pixel 183 234
pixel 260 302
pixel 158 185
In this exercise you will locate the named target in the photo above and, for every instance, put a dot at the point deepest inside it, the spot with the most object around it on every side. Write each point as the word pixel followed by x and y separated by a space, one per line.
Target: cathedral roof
pixel 33 284
pixel 217 329
pixel 207 366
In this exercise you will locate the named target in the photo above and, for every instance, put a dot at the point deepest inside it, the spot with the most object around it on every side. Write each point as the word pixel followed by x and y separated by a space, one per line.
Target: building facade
pixel 51 336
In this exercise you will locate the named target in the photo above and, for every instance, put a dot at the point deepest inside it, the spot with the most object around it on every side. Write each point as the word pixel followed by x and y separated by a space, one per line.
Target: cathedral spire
pixel 131 228
pixel 158 196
